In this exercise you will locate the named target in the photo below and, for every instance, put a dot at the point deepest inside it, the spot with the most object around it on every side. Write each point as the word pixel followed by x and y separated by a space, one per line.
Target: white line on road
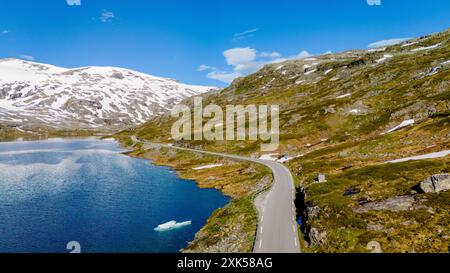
pixel 261 230
pixel 295 241
pixel 260 243
pixel 293 228
pixel 262 219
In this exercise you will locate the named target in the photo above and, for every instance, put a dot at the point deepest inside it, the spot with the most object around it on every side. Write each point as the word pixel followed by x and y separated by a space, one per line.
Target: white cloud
pixel 73 2
pixel 244 34
pixel 270 55
pixel 224 76
pixel 205 67
pixel 388 42
pixel 245 61
pixel 303 54
pixel 27 57
pixel 374 2
pixel 107 16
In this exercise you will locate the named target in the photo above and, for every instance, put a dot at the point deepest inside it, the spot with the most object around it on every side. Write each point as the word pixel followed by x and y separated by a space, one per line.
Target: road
pixel 277 228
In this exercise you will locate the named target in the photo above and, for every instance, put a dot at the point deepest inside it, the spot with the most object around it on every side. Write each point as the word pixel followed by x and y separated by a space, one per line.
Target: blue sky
pixel 204 41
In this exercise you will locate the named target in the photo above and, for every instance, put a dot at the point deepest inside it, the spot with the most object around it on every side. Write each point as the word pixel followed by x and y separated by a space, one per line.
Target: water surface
pixel 56 191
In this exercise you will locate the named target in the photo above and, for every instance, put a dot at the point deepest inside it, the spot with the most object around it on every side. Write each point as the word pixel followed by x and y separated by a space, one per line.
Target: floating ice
pixel 172 225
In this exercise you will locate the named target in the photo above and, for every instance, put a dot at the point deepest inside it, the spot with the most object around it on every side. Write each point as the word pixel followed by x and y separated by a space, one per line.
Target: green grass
pixel 238 220
pixel 347 229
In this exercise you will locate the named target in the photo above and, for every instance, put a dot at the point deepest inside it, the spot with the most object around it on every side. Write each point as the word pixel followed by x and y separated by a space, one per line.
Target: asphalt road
pixel 277 228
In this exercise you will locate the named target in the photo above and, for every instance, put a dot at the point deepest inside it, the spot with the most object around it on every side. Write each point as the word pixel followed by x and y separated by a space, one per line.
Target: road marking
pixel 262 219
pixel 260 243
pixel 293 228
pixel 261 230
pixel 295 241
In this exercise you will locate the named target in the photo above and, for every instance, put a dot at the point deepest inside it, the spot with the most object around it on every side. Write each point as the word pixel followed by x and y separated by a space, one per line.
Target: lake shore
pixel 231 229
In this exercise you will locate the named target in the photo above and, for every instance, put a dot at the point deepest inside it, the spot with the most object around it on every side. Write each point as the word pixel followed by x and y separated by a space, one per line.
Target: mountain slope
pixel 34 94
pixel 347 116
pixel 339 97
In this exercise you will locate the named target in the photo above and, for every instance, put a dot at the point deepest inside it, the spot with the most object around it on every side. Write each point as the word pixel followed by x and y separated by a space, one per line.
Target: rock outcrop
pixel 436 183
pixel 317 237
pixel 398 203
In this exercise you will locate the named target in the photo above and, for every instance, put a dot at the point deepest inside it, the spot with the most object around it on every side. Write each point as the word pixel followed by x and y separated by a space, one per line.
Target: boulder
pixel 312 212
pixel 316 237
pixel 398 203
pixel 436 183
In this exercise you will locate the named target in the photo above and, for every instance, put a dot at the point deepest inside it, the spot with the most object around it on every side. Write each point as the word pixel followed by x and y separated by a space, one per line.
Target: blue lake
pixel 62 190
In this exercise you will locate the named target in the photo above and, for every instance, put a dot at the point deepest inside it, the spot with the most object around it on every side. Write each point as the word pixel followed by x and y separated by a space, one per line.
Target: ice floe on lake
pixel 172 225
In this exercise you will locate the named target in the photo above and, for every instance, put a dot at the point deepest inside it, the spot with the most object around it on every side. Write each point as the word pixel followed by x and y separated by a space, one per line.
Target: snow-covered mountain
pixel 34 94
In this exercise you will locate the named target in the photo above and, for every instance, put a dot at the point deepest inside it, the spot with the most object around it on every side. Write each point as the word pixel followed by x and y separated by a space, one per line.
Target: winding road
pixel 277 228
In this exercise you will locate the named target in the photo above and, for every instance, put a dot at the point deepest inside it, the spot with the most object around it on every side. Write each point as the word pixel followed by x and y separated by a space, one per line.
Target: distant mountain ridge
pixel 34 94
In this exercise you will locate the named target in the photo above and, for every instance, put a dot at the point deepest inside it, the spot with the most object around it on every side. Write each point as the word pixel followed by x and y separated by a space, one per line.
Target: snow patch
pixel 207 167
pixel 385 57
pixel 328 71
pixel 425 48
pixel 310 72
pixel 270 157
pixel 377 49
pixel 90 96
pixel 422 157
pixel 285 159
pixel 344 96
pixel 402 125
pixel 410 44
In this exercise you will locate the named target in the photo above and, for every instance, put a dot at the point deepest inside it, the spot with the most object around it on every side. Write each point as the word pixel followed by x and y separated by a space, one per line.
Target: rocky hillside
pixel 351 116
pixel 33 94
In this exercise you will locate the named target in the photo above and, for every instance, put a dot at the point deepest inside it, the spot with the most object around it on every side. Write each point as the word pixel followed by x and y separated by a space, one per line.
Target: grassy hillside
pixel 336 111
